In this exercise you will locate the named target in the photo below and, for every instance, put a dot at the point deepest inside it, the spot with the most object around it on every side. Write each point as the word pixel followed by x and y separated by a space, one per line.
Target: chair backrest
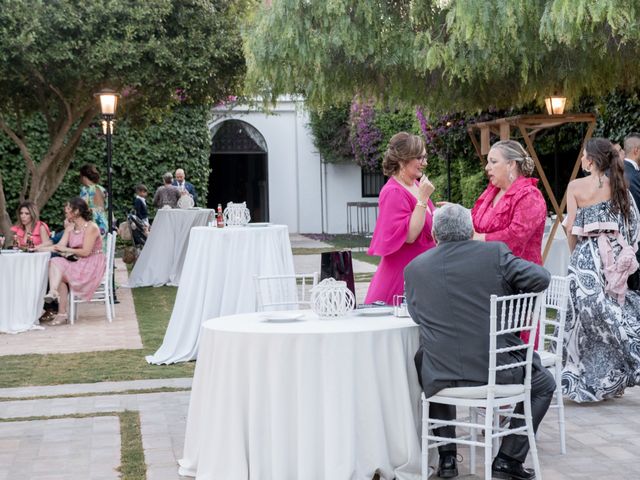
pixel 282 292
pixel 554 315
pixel 513 314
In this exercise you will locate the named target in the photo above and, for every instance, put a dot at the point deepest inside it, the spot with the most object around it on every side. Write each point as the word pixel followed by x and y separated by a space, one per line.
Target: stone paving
pixel 602 439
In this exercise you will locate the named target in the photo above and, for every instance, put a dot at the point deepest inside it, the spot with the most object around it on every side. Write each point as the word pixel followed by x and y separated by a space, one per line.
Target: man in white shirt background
pixel 180 182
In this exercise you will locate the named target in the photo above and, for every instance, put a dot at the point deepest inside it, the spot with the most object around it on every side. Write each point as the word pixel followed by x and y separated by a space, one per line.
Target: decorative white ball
pixel 331 298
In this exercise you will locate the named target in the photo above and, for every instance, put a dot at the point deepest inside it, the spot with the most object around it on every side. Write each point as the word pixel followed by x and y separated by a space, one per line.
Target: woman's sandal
pixel 60 319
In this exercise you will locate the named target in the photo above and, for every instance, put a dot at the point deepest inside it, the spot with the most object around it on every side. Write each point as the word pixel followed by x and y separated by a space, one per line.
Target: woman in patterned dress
pixel 82 239
pixel 95 195
pixel 602 334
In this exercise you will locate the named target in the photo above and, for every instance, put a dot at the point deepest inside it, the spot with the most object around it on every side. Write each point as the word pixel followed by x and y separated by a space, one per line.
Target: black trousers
pixel 515 446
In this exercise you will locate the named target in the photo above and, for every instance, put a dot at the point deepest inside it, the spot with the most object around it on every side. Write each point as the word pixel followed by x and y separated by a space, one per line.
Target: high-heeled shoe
pixel 60 319
pixel 51 297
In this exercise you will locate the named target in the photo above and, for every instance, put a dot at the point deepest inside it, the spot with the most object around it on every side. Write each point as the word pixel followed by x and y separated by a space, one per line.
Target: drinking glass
pixel 1 242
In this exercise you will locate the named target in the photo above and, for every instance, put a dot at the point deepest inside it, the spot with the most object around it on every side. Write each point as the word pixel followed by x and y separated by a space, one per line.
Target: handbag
pixel 338 265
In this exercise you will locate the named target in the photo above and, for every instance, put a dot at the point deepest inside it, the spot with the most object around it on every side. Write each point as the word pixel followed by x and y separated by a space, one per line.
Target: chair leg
pixel 425 440
pixel 560 406
pixel 496 428
pixel 488 440
pixel 71 308
pixel 533 449
pixel 473 415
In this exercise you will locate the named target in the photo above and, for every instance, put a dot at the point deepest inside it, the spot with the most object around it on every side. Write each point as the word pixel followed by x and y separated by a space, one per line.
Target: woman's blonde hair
pixel 402 148
pixel 514 152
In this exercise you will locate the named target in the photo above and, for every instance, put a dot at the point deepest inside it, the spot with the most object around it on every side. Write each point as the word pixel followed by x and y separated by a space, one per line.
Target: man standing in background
pixel 632 175
pixel 183 185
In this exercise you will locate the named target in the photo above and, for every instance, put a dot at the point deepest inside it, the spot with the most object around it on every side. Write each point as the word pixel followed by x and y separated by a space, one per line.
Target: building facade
pixel 269 160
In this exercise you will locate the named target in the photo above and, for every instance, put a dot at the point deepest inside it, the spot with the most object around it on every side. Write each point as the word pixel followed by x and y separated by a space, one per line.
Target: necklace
pixel 77 229
pixel 403 181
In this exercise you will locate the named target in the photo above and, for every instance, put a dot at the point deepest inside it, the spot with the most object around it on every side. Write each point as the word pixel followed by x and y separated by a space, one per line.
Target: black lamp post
pixel 108 105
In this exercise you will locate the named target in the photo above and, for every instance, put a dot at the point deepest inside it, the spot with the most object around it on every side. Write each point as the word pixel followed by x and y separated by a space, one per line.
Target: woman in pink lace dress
pixel 403 228
pixel 81 240
pixel 512 209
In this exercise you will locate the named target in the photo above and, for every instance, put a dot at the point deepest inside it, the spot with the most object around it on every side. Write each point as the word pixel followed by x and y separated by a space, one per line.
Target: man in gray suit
pixel 448 291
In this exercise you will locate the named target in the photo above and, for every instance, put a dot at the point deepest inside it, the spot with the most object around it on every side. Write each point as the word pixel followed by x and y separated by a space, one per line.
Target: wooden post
pixel 484 140
pixel 505 131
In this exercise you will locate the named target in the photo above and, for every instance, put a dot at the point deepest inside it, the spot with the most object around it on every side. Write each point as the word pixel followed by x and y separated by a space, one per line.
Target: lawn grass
pixel 342 242
pixel 153 308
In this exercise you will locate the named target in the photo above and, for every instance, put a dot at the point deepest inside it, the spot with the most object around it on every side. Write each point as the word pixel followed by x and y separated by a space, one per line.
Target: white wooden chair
pixel 104 293
pixel 283 292
pixel 550 342
pixel 509 315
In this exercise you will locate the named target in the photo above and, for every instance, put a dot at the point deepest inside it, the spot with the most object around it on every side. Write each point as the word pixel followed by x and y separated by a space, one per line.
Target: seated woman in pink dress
pixel 81 239
pixel 512 209
pixel 29 227
pixel 403 228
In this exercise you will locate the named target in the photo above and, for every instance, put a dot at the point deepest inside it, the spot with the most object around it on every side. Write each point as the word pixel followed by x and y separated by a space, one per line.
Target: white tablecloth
pixel 217 280
pixel 317 399
pixel 558 258
pixel 162 258
pixel 23 280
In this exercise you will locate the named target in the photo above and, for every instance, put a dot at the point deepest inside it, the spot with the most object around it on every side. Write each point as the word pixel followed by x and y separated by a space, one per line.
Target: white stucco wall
pixel 304 194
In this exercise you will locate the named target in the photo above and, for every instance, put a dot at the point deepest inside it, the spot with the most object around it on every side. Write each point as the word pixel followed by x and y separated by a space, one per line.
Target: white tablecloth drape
pixel 23 280
pixel 217 279
pixel 314 400
pixel 162 258
pixel 558 258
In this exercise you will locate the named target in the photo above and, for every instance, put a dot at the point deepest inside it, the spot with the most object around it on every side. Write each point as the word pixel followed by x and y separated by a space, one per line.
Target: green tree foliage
pixel 450 55
pixel 330 129
pixel 140 155
pixel 55 54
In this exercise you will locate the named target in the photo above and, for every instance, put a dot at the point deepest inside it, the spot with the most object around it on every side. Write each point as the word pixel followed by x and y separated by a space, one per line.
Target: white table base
pixel 23 280
pixel 340 402
pixel 162 258
pixel 217 280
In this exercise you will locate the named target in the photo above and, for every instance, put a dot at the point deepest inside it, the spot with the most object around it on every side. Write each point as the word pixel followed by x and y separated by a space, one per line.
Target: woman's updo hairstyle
pixel 77 203
pixel 606 160
pixel 402 148
pixel 514 152
pixel 91 172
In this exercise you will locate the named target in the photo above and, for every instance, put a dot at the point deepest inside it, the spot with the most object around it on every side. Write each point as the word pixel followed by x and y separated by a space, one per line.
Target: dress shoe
pixel 448 466
pixel 511 470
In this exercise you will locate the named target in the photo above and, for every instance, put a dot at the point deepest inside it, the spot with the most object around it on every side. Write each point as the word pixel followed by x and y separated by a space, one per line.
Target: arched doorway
pixel 238 164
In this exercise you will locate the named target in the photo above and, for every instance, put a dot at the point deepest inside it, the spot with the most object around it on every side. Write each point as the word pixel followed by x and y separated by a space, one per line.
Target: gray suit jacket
pixel 448 292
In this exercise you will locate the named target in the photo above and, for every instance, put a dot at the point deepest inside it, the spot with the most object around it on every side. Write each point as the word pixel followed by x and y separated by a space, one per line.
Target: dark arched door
pixel 238 164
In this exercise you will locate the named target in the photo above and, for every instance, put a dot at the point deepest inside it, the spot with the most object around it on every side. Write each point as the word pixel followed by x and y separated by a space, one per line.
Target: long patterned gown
pixel 602 334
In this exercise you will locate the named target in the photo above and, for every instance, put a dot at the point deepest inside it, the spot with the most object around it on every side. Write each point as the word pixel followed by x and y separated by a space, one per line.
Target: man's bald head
pixel 180 175
pixel 632 146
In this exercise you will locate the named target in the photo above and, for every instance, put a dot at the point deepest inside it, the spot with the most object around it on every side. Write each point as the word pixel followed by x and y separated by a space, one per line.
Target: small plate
pixel 258 224
pixel 374 311
pixel 282 317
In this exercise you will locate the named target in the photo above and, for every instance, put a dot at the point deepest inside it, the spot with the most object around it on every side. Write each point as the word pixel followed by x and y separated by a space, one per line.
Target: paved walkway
pixel 602 439
pixel 90 333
